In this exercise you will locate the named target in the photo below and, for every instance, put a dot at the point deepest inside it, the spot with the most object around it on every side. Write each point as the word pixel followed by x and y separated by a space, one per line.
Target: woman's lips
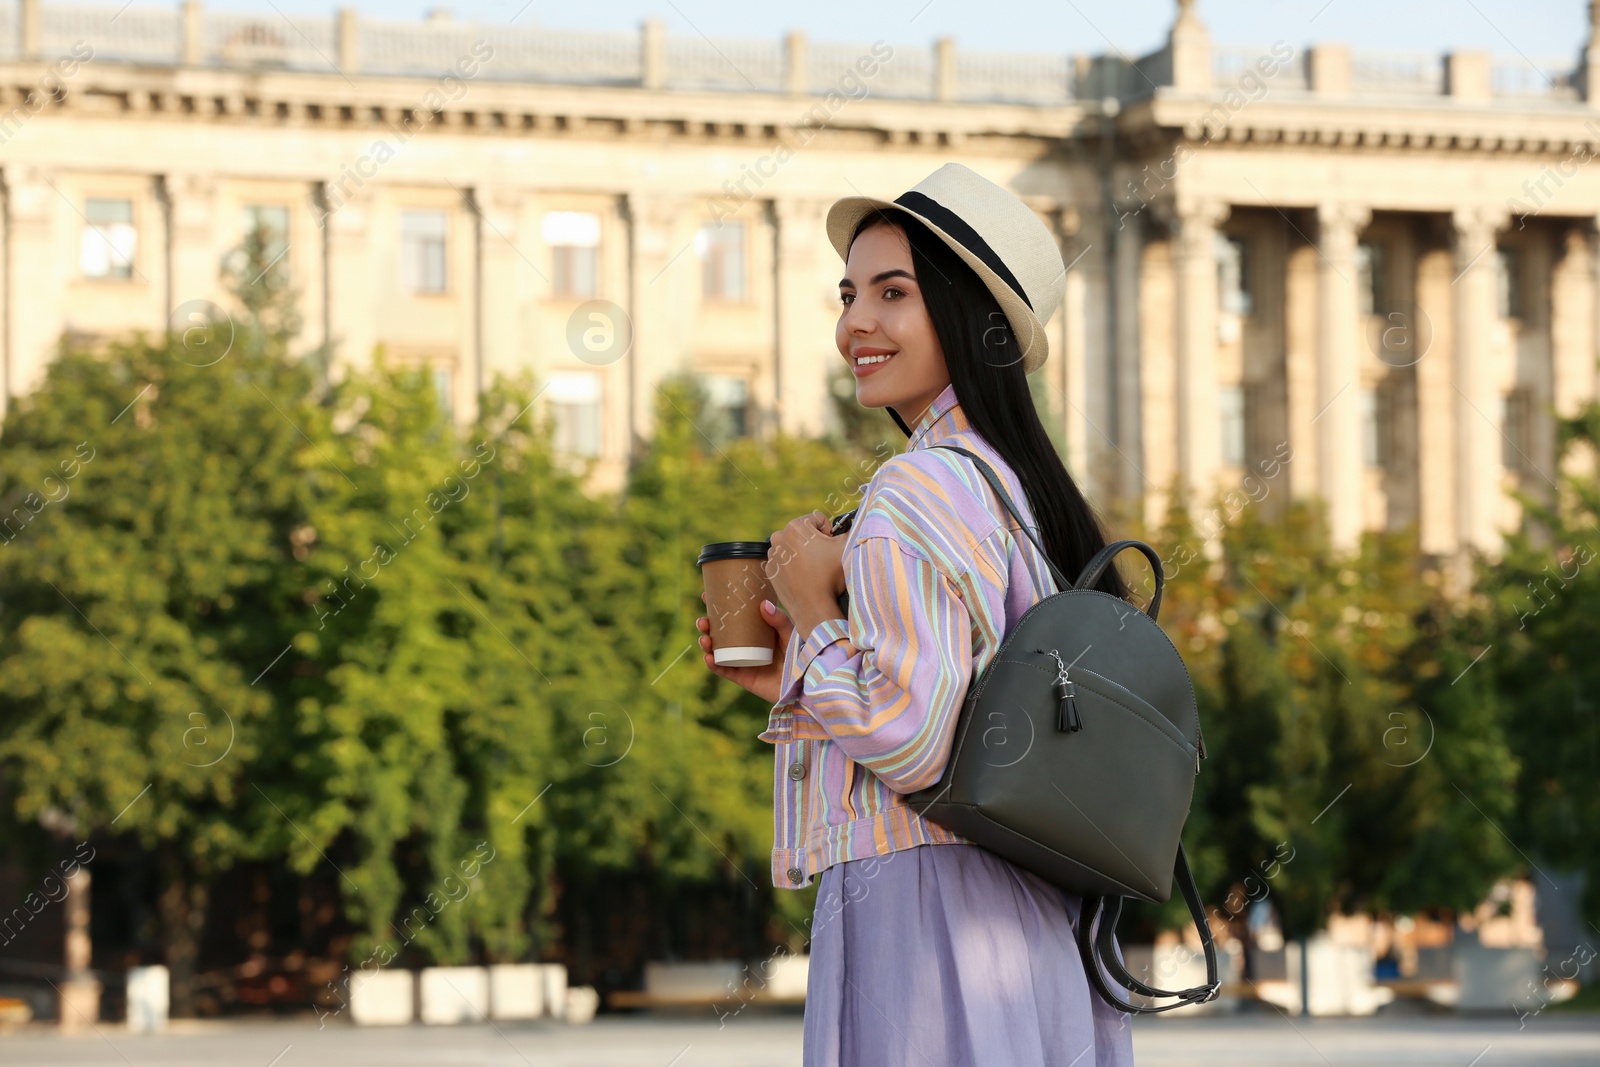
pixel 864 369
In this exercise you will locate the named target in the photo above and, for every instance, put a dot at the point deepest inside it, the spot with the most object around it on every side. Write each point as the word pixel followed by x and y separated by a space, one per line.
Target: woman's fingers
pixel 780 621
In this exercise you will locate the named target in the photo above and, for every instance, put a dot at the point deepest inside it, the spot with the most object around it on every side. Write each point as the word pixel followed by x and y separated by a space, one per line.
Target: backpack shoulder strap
pixel 1005 498
pixel 1097 927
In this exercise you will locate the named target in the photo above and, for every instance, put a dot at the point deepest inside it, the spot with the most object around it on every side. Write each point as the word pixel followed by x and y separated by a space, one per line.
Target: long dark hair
pixel 985 364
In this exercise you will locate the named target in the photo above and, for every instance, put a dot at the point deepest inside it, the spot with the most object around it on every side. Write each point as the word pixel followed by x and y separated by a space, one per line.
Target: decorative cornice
pixel 1306 120
pixel 312 100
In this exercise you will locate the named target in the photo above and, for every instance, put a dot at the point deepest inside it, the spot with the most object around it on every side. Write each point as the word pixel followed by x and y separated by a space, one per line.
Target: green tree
pixel 144 597
pixel 1537 624
pixel 1336 746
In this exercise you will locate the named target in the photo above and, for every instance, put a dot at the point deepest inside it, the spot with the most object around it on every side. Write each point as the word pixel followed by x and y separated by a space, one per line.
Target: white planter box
pixel 149 993
pixel 787 976
pixel 454 995
pixel 1341 980
pixel 516 991
pixel 581 1004
pixel 382 998
pixel 555 988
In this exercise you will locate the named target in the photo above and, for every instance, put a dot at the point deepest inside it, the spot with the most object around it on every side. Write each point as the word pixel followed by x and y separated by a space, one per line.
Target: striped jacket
pixel 868 705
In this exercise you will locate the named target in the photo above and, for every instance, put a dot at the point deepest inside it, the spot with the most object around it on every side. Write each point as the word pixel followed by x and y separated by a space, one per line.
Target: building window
pixel 1376 426
pixel 729 406
pixel 107 245
pixel 1233 275
pixel 423 240
pixel 1231 408
pixel 272 220
pixel 444 390
pixel 721 250
pixel 1508 281
pixel 1515 429
pixel 574 398
pixel 1373 285
pixel 574 240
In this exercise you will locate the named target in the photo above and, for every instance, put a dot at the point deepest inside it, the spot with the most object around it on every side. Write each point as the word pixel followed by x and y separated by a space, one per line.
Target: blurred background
pixel 371 378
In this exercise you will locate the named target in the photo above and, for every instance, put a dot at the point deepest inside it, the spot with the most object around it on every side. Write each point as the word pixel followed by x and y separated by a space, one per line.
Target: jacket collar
pixel 944 418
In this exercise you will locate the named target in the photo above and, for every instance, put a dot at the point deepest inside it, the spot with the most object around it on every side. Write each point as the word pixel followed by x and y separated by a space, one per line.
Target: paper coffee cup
pixel 736 582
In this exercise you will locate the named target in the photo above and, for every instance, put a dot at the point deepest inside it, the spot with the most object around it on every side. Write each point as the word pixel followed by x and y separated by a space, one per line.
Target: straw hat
pixel 997 235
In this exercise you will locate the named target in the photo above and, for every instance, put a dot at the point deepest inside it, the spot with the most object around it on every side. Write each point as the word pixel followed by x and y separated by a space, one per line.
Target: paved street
pixel 774 1041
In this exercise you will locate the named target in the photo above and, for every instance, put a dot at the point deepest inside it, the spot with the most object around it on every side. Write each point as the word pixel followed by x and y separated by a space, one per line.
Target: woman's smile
pixel 868 359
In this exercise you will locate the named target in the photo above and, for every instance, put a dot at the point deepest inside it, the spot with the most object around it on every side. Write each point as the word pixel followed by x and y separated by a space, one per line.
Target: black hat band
pixel 971 240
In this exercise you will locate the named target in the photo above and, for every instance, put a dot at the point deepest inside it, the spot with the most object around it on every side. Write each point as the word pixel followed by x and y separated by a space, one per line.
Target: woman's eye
pixel 846 298
pixel 891 293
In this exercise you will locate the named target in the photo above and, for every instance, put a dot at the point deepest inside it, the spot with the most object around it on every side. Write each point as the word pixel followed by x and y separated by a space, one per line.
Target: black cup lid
pixel 733 550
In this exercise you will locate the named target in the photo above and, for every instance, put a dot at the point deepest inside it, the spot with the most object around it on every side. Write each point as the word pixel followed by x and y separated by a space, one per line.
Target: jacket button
pixel 797 770
pixel 795 874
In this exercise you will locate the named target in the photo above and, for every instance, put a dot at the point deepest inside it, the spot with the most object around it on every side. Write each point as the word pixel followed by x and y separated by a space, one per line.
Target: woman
pixel 926 949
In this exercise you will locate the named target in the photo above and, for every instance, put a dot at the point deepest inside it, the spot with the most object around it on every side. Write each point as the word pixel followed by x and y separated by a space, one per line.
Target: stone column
pixel 1477 407
pixel 191 208
pixel 1573 339
pixel 194 41
pixel 504 281
pixel 1159 446
pixel 349 267
pixel 1339 351
pixel 1189 44
pixel 1071 379
pixel 349 40
pixel 1328 69
pixel 664 286
pixel 1129 237
pixel 36 297
pixel 796 71
pixel 1468 75
pixel 944 69
pixel 1437 460
pixel 804 346
pixel 653 54
pixel 1300 359
pixel 30 29
pixel 1199 433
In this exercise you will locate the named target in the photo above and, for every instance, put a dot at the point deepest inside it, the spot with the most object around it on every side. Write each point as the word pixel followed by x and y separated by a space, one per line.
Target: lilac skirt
pixel 945 954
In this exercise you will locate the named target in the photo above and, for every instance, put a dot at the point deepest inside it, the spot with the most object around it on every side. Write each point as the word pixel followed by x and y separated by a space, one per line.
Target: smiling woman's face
pixel 883 315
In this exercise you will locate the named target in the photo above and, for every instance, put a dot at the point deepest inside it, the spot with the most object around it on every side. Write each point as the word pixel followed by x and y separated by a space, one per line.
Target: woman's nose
pixel 858 321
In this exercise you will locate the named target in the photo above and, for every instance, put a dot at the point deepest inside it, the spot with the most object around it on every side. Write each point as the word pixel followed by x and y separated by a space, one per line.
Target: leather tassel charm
pixel 1067 706
pixel 1065 692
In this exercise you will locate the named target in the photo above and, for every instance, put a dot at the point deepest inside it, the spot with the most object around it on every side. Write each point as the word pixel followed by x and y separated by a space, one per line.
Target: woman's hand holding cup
pixel 800 567
pixel 763 680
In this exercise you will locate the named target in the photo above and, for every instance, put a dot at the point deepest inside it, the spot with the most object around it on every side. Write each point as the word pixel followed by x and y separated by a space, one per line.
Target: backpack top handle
pixel 1096 567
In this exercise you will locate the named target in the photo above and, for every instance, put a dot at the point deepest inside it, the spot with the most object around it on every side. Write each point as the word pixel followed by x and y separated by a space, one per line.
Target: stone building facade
pixel 1293 270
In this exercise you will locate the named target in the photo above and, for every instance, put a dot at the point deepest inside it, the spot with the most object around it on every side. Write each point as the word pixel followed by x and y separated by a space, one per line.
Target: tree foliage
pixel 1339 754
pixel 1536 621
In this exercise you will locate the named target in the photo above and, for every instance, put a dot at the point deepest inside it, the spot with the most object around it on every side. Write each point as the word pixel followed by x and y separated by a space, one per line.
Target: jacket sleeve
pixel 887 683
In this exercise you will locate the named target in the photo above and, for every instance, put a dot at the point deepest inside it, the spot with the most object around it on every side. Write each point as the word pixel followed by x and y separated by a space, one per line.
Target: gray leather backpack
pixel 1075 756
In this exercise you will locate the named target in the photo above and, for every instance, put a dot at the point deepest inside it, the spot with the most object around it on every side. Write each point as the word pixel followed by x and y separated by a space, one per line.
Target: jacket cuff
pixel 788 719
